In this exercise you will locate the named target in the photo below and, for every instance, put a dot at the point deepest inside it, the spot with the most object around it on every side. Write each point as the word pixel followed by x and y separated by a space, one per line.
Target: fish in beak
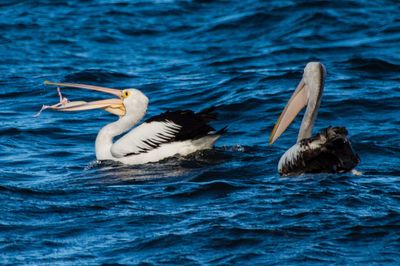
pixel 296 103
pixel 114 106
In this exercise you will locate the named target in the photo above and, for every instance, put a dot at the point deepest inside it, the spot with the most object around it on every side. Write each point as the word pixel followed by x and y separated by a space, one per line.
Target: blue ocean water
pixel 220 207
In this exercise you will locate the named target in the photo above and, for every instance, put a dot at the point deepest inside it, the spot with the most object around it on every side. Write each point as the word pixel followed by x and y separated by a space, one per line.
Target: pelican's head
pixel 134 100
pixel 126 102
pixel 308 92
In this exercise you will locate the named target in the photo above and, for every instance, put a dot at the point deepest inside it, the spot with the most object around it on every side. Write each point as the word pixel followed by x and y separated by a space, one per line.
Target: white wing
pixel 145 137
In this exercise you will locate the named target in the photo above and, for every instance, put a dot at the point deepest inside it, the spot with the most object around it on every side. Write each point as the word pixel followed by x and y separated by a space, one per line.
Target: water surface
pixel 225 206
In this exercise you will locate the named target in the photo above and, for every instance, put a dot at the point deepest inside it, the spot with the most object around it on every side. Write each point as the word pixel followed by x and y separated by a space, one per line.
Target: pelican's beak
pixel 296 103
pixel 114 106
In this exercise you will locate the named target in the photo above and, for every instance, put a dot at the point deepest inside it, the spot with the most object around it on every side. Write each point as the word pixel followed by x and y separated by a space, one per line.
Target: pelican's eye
pixel 126 94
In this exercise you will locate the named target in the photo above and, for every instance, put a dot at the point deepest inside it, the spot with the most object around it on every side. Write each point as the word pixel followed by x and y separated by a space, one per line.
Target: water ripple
pixel 224 206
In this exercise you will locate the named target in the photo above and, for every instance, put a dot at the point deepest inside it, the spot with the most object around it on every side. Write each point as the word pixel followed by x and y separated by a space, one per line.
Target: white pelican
pixel 328 151
pixel 159 137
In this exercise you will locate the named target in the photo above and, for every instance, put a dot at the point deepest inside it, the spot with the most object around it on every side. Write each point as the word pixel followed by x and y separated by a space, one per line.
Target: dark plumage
pixel 193 125
pixel 178 126
pixel 329 151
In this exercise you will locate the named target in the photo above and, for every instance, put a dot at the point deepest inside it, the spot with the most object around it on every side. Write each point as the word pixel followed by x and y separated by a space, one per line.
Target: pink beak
pixel 296 103
pixel 114 106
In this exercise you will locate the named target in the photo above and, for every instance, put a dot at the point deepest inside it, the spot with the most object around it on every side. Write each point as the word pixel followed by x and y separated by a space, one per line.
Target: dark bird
pixel 329 151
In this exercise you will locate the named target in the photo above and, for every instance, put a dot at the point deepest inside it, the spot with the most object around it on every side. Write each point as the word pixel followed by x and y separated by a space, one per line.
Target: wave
pixel 96 75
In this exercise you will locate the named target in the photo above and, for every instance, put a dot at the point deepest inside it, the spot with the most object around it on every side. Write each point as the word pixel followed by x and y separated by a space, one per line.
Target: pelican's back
pixel 329 151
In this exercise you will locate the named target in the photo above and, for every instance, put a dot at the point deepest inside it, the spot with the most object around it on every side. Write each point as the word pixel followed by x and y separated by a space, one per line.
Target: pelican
pixel 330 150
pixel 159 137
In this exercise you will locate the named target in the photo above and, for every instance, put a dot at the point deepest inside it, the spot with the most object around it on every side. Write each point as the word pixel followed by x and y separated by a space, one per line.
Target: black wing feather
pixel 193 125
pixel 335 155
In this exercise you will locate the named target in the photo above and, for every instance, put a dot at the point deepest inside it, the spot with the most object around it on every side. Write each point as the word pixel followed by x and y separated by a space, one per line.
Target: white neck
pixel 315 90
pixel 104 139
